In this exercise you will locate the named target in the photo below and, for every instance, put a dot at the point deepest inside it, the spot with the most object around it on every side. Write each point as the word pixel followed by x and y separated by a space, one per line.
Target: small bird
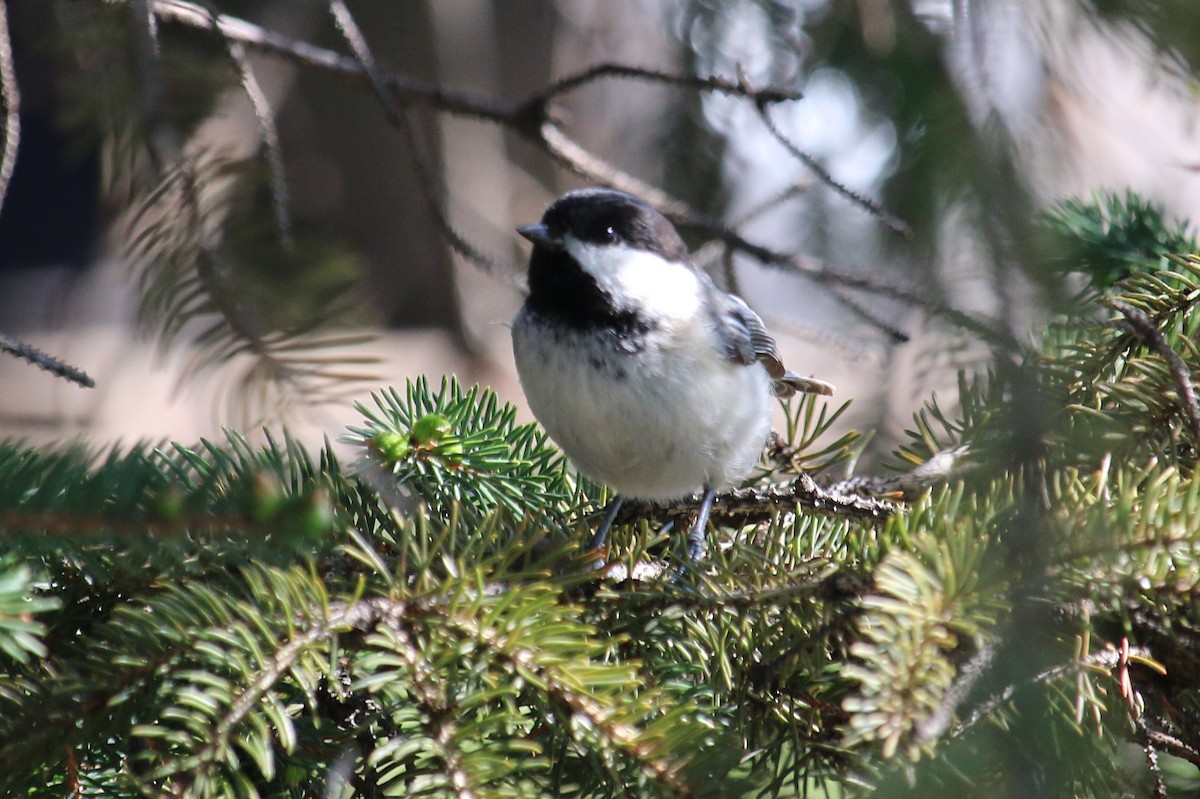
pixel 650 378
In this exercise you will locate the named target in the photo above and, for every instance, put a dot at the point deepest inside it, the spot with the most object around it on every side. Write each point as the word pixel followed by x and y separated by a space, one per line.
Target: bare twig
pixel 732 284
pixel 406 91
pixel 40 359
pixel 756 504
pixel 1148 748
pixel 1104 658
pixel 588 165
pixel 891 220
pixel 12 105
pixel 710 84
pixel 145 30
pixel 1142 325
pixel 715 248
pixel 402 120
pixel 268 131
pixel 868 315
pixel 366 59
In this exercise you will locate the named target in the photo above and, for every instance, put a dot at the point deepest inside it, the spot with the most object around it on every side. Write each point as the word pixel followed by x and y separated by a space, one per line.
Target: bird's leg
pixel 610 516
pixel 695 539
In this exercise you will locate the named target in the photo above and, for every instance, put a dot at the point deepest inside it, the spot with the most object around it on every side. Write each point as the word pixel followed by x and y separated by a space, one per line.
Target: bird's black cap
pixel 604 216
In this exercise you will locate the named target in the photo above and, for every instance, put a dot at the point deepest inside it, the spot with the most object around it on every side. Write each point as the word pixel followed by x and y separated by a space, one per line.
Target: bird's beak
pixel 540 235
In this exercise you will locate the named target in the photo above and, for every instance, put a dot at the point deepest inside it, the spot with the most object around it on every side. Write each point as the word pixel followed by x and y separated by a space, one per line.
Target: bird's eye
pixel 608 234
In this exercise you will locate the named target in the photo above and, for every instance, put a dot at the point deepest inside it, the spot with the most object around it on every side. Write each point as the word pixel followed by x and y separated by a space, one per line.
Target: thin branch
pixel 406 91
pixel 145 29
pixel 940 468
pixel 713 83
pixel 595 169
pixel 1105 658
pixel 868 315
pixel 732 285
pixel 48 362
pixel 269 134
pixel 715 248
pixel 709 252
pixel 12 105
pixel 1173 746
pixel 1143 326
pixel 1148 748
pixel 366 59
pixel 935 725
pixel 268 131
pixel 207 261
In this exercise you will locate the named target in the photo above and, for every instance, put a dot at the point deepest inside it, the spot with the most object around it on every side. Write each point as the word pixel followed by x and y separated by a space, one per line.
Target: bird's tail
pixel 791 383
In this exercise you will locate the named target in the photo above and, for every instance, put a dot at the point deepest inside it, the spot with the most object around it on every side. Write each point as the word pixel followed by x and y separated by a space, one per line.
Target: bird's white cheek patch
pixel 662 288
pixel 668 289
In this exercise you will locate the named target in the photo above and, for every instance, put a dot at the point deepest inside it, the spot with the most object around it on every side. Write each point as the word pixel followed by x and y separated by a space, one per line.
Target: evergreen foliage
pixel 240 620
pixel 233 619
pixel 1109 236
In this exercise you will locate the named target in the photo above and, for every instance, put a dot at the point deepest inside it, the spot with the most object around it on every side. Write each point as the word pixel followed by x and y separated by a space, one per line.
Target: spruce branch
pixel 1109 236
pixel 22 632
pixel 194 282
pixel 1142 325
pixel 458 450
pixel 252 695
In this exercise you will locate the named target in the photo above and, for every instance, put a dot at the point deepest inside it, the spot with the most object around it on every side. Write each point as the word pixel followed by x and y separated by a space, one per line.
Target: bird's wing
pixel 746 340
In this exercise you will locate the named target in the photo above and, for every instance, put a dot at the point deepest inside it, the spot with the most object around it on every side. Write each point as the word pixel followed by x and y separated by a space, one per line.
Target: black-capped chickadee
pixel 650 378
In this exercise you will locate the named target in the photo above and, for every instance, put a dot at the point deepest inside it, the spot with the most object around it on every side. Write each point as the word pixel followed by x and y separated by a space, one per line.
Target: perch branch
pixel 757 504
